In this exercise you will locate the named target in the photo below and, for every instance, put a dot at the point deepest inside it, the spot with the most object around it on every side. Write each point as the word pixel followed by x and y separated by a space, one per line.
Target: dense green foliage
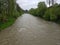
pixel 51 13
pixel 19 9
pixel 40 10
pixel 9 11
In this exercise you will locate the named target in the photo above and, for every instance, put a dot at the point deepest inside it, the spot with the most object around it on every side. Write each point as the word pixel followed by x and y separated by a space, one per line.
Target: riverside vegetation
pixel 9 11
pixel 51 13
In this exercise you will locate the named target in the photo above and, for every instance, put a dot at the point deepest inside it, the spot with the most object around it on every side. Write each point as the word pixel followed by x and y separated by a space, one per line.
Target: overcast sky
pixel 27 4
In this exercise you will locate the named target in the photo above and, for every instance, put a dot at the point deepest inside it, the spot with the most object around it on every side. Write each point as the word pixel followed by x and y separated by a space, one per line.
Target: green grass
pixel 7 24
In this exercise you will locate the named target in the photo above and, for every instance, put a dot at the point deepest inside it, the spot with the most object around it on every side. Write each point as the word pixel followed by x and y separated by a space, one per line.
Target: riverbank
pixel 51 13
pixel 31 30
pixel 10 21
pixel 7 23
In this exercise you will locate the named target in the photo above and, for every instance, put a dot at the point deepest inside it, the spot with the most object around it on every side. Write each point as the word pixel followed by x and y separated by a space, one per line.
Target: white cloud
pixel 27 4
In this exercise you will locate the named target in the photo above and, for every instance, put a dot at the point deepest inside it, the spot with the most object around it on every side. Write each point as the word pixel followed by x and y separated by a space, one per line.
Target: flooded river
pixel 30 30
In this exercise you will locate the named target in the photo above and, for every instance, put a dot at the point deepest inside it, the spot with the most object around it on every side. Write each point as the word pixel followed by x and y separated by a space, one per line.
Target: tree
pixel 48 1
pixel 11 6
pixel 41 8
pixel 19 9
pixel 51 2
pixel 3 10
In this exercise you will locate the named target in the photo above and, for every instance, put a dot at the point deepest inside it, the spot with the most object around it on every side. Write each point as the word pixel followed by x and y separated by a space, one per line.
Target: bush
pixel 9 13
pixel 51 13
pixel 47 15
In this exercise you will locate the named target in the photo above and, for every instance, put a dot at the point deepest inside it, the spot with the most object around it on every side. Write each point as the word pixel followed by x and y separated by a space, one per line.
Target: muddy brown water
pixel 30 30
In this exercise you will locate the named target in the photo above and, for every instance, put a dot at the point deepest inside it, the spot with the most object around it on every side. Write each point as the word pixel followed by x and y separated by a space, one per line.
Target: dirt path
pixel 30 30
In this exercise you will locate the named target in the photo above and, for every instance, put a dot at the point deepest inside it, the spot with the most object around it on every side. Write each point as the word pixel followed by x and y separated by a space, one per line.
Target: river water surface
pixel 30 30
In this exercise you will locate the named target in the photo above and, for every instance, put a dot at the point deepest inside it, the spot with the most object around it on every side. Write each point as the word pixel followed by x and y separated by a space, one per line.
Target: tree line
pixel 9 11
pixel 51 13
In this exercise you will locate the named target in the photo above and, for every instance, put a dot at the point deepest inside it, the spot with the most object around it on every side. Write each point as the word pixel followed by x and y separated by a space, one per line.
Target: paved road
pixel 30 30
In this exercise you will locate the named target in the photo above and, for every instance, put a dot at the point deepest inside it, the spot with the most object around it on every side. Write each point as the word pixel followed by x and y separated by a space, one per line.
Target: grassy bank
pixel 8 14
pixel 10 20
pixel 7 23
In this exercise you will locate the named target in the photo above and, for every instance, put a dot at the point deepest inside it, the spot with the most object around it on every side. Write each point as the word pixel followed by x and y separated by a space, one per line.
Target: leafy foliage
pixel 9 10
pixel 40 10
pixel 51 13
pixel 51 2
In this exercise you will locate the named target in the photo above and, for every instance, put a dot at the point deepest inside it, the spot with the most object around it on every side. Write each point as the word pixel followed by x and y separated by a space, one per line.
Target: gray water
pixel 30 30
